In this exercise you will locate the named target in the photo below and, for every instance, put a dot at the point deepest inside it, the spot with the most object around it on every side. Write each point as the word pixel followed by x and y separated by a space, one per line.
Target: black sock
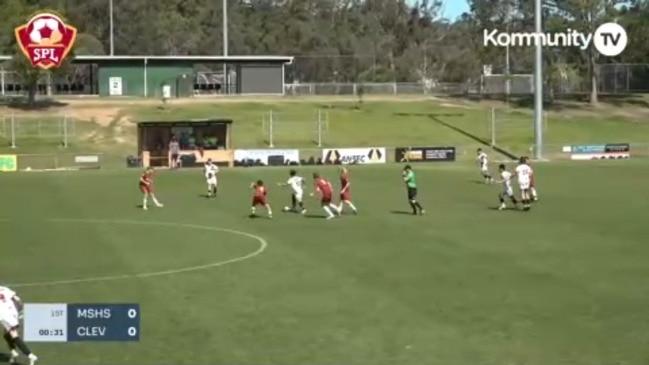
pixel 413 205
pixel 10 341
pixel 22 346
pixel 419 206
pixel 301 205
pixel 514 200
pixel 502 201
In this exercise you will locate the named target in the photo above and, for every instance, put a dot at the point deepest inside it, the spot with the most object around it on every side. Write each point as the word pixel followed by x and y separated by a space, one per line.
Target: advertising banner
pixel 8 163
pixel 268 156
pixel 354 156
pixel 425 154
pixel 610 151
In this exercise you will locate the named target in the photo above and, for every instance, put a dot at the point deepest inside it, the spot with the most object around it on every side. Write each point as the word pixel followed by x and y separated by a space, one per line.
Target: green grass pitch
pixel 562 284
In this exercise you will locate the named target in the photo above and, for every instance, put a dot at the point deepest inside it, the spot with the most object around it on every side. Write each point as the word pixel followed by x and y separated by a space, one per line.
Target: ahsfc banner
pixel 424 154
pixel 350 156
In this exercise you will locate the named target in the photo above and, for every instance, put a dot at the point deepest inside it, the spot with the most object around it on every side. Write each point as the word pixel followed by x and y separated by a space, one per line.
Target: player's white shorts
pixel 523 185
pixel 9 318
pixel 298 196
pixel 508 191
pixel 212 181
pixel 484 170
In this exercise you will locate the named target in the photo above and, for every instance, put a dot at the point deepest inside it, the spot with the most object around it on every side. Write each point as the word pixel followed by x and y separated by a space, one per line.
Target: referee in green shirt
pixel 410 179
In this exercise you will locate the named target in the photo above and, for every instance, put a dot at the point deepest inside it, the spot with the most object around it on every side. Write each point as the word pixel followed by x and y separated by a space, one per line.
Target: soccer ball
pixel 46 31
pixel 286 209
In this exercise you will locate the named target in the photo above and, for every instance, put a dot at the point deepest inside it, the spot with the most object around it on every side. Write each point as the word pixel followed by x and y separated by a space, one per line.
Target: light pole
pixel 226 80
pixel 111 36
pixel 538 85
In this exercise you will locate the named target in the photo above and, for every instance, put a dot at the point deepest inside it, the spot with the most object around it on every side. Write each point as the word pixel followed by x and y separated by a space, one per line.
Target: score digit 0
pixel 132 313
pixel 132 331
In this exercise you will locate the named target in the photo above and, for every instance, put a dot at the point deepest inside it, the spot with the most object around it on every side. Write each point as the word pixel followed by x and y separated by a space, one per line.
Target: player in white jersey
pixel 524 177
pixel 10 308
pixel 210 176
pixel 296 183
pixel 508 190
pixel 483 163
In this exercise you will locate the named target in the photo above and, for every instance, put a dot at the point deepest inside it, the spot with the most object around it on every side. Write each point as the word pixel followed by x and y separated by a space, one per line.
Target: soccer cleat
pixel 502 207
pixel 145 208
pixel 13 358
pixel 422 212
pixel 330 217
pixel 160 205
pixel 303 211
pixel 32 359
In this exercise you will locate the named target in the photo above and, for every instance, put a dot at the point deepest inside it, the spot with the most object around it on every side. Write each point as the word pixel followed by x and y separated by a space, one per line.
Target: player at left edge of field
pixel 10 308
pixel 260 197
pixel 211 170
pixel 146 187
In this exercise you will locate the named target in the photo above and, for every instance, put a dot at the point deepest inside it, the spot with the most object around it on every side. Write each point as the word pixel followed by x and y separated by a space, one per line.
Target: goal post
pixel 295 128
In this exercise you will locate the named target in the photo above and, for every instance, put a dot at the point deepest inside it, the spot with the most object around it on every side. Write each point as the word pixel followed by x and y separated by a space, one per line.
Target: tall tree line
pixel 345 40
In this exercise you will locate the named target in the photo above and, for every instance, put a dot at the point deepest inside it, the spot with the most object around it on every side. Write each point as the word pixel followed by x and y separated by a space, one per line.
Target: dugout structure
pixel 199 141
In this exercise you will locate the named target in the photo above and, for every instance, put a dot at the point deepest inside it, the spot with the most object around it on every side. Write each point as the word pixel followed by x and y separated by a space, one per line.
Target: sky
pixel 454 8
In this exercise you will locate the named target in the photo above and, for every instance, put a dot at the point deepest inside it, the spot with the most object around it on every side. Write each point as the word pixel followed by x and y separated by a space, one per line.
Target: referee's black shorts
pixel 412 193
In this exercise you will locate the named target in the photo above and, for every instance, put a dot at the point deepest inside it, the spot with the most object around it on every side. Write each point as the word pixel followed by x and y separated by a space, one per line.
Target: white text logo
pixel 609 39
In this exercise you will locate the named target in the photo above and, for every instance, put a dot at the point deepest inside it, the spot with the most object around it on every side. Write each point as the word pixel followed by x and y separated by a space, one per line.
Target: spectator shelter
pixel 162 76
pixel 199 141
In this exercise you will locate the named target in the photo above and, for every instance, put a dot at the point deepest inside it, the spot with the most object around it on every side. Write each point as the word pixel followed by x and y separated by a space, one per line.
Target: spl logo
pixel 46 40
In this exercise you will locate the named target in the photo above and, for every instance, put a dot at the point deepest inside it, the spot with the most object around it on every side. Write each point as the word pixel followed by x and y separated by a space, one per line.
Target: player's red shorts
pixel 325 200
pixel 147 189
pixel 259 200
pixel 346 196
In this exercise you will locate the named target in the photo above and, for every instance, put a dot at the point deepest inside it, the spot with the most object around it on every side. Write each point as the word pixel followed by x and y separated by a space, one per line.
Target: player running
pixel 345 192
pixel 210 176
pixel 508 191
pixel 146 187
pixel 260 197
pixel 296 183
pixel 10 307
pixel 483 163
pixel 524 175
pixel 535 196
pixel 410 179
pixel 325 189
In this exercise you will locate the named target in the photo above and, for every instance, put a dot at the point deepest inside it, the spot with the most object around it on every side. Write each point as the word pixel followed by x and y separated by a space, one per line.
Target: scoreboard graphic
pixel 60 322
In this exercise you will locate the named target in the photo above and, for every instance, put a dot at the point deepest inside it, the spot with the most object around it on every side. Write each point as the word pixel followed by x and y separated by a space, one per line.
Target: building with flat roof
pixel 160 76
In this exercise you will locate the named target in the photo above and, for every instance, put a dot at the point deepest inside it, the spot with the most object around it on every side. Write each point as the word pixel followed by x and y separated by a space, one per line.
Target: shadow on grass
pixel 561 102
pixel 22 103
pixel 314 216
pixel 400 212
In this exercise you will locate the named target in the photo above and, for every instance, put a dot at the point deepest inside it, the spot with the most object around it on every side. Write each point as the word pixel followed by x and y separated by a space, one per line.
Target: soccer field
pixel 464 284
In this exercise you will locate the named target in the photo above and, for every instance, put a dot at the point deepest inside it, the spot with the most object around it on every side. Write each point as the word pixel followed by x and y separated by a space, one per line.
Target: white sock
pixel 253 210
pixel 533 192
pixel 328 210
pixel 335 208
pixel 145 201
pixel 351 205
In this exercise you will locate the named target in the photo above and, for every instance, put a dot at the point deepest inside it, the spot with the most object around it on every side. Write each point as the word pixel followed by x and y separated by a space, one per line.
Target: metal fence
pixel 27 128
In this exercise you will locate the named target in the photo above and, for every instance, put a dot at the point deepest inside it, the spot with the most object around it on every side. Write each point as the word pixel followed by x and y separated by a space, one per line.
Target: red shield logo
pixel 46 40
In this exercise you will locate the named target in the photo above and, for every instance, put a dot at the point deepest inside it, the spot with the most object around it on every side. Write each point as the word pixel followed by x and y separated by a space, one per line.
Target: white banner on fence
pixel 346 156
pixel 262 155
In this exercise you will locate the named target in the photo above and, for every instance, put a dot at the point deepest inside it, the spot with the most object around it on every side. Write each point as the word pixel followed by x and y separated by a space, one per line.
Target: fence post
pixel 13 131
pixel 320 124
pixel 270 129
pixel 65 131
pixel 394 88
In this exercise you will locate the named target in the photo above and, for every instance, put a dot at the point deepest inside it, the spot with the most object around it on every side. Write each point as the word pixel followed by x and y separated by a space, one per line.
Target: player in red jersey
pixel 535 196
pixel 260 197
pixel 146 187
pixel 326 191
pixel 345 192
